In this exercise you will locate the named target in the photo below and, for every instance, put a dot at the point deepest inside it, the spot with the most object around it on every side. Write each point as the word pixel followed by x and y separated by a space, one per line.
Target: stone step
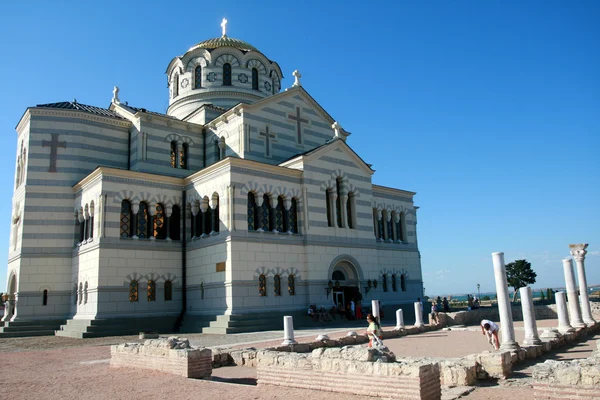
pixel 26 334
pixel 29 328
pixel 42 322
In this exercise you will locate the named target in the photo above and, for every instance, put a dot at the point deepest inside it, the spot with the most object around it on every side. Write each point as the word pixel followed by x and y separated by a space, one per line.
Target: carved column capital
pixel 578 251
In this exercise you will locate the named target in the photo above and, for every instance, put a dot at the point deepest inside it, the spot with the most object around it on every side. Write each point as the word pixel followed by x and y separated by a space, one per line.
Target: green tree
pixel 519 274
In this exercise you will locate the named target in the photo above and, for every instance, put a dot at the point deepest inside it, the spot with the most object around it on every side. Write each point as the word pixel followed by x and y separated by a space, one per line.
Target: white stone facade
pixel 73 256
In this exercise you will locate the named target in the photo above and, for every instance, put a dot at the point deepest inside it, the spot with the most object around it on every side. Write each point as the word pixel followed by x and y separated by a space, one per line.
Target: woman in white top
pixel 490 329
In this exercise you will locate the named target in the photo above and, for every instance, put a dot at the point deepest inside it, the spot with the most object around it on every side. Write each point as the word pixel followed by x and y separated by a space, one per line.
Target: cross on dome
pixel 224 26
pixel 297 75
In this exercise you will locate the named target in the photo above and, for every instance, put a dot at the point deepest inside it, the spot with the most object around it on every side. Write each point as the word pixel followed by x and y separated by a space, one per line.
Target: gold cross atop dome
pixel 224 26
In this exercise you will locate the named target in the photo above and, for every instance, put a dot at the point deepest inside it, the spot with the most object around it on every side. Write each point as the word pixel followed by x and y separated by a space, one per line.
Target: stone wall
pixel 576 379
pixel 167 355
pixel 474 317
pixel 352 369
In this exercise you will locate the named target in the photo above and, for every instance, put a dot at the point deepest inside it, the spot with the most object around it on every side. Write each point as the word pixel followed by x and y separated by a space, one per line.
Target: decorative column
pixel 578 252
pixel 168 213
pixel 135 207
pixel 387 226
pixel 375 309
pixel 214 204
pixel 395 233
pixel 380 226
pixel 151 213
pixel 563 316
pixel 506 320
pixel 574 310
pixel 333 199
pixel 287 206
pixel 101 214
pixel 418 315
pixel 399 320
pixel 204 210
pixel 531 332
pixel 86 226
pixel 81 232
pixel 288 331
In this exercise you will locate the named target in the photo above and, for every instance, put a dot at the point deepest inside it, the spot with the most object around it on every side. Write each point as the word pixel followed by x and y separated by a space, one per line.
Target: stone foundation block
pixel 575 379
pixel 461 372
pixel 496 364
pixel 352 369
pixel 166 355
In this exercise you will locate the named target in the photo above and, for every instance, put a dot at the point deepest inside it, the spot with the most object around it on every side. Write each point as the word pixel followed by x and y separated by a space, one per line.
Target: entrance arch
pixel 12 285
pixel 346 275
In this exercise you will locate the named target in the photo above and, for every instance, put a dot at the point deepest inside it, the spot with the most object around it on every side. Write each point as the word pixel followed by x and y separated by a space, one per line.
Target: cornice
pixel 100 172
pixel 212 93
pixel 79 114
pixel 23 121
pixel 392 191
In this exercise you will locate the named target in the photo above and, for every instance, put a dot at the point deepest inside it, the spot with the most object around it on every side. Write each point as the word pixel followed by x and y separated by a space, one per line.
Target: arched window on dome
pixel 198 77
pixel 254 79
pixel 226 74
pixel 176 86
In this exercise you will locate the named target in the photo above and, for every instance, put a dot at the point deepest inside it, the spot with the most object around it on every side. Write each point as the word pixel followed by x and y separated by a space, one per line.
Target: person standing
pixel 352 309
pixel 374 330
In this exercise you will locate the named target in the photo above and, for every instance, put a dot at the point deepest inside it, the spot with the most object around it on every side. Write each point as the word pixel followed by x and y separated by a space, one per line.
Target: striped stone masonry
pixel 577 379
pixel 171 355
pixel 352 369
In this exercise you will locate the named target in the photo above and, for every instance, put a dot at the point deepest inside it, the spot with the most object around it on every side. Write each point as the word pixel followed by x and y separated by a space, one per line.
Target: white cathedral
pixel 243 202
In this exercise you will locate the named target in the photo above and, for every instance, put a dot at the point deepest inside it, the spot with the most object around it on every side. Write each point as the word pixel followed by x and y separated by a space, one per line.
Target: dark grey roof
pixel 138 109
pixel 73 105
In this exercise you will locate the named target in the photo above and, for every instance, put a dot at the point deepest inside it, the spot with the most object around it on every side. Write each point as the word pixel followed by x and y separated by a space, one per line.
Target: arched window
pixel 183 156
pixel 403 282
pixel 384 233
pixel 293 219
pixel 328 205
pixel 198 225
pixel 215 214
pixel 151 290
pixel 291 285
pixel 254 79
pixel 266 214
pixel 375 225
pixel 262 285
pixel 133 291
pixel 176 86
pixel 91 220
pixel 81 230
pixel 198 77
pixel 87 223
pixel 142 221
pixel 338 202
pixel 168 290
pixel 400 227
pixel 45 297
pixel 217 150
pixel 384 281
pixel 174 220
pixel 338 276
pixel 394 288
pixel 279 215
pixel 160 228
pixel 85 293
pixel 390 226
pixel 207 220
pixel 350 207
pixel 173 154
pixel 80 293
pixel 226 74
pixel 252 220
pixel 277 285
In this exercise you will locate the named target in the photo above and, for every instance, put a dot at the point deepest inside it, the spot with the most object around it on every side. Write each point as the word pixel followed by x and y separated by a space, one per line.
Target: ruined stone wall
pixel 576 379
pixel 167 355
pixel 353 370
pixel 474 317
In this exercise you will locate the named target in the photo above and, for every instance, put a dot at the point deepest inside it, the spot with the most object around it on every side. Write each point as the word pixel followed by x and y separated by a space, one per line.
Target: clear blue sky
pixel 490 110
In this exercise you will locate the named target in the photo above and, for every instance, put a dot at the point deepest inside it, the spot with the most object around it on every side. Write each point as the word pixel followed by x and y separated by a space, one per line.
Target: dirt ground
pixel 63 368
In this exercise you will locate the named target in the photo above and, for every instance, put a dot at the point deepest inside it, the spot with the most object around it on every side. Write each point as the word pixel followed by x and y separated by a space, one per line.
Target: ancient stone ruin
pixel 172 355
pixel 373 372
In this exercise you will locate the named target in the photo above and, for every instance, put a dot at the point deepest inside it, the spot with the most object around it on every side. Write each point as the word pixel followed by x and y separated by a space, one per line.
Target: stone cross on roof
pixel 337 129
pixel 224 26
pixel 115 98
pixel 297 76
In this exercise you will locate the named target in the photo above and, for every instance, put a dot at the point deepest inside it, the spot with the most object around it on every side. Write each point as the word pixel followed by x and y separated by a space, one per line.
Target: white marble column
pixel 506 321
pixel 531 332
pixel 288 331
pixel 563 316
pixel 399 320
pixel 418 315
pixel 578 252
pixel 375 309
pixel 574 311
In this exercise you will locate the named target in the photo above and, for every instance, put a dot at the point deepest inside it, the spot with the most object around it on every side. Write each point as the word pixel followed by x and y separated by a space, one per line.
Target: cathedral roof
pixel 224 41
pixel 74 105
pixel 134 110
